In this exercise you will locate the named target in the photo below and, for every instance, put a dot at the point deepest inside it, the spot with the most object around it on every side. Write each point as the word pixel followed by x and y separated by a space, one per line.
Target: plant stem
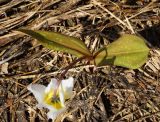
pixel 70 66
pixel 65 69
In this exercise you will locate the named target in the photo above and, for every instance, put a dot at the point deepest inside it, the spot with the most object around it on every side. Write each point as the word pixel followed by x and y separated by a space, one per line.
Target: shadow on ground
pixel 152 35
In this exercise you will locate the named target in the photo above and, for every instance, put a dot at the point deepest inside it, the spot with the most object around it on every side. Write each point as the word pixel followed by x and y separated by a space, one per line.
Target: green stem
pixel 70 66
pixel 65 69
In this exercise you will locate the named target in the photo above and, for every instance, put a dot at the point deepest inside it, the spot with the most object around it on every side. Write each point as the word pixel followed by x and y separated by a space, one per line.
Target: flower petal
pixel 53 114
pixel 38 91
pixel 61 95
pixel 40 105
pixel 67 86
pixel 53 85
pixel 50 107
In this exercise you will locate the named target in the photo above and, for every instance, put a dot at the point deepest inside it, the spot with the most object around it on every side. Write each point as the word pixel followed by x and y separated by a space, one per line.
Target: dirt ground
pixel 101 94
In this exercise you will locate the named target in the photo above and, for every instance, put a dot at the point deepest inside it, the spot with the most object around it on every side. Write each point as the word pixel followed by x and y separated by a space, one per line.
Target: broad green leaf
pixel 128 51
pixel 59 42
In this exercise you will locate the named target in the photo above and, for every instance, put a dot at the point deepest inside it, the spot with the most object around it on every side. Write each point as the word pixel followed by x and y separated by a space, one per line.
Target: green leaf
pixel 128 51
pixel 59 42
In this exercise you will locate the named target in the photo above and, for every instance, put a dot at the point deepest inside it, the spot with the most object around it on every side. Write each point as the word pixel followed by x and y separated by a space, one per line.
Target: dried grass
pixel 109 94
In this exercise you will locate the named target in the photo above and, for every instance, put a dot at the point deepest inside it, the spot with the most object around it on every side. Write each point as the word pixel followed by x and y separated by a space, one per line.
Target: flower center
pixel 53 100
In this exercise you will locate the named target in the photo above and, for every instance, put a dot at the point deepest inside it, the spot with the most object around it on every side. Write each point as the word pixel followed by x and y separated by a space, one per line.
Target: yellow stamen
pixel 52 100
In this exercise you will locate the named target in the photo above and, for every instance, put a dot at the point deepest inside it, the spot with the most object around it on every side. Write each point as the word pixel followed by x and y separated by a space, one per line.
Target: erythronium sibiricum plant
pixel 53 96
pixel 129 51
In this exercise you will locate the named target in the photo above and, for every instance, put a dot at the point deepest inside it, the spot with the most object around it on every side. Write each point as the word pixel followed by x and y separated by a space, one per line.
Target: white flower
pixel 53 96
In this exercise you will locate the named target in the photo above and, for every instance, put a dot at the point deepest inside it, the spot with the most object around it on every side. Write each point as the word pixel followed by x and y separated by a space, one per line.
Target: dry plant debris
pixel 102 94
